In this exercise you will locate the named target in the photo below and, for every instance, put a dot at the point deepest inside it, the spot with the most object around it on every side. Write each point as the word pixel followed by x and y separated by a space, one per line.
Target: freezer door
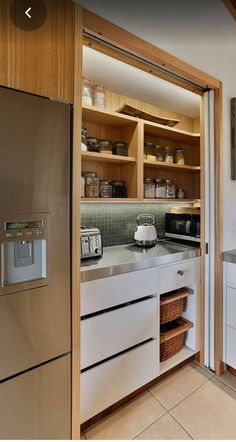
pixel 34 327
pixel 37 404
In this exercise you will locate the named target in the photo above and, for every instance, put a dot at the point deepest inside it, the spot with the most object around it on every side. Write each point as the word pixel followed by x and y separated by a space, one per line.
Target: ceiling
pixel 128 80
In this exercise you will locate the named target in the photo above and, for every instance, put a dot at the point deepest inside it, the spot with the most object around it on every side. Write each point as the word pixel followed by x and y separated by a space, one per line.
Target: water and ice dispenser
pixel 24 252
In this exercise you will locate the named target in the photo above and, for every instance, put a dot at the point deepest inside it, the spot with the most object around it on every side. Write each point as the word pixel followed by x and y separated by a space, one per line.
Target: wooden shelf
pixel 171 166
pixel 136 200
pixel 109 200
pixel 106 158
pixel 171 200
pixel 184 354
pixel 94 115
pixel 170 133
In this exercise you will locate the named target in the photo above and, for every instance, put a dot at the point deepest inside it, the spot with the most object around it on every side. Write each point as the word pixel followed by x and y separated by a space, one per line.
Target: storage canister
pixel 170 189
pixel 160 188
pixel 149 188
pixel 87 97
pixel 180 194
pixel 168 155
pixel 91 185
pixel 99 96
pixel 159 154
pixel 105 189
pixel 105 146
pixel 120 148
pixel 149 151
pixel 119 189
pixel 82 186
pixel 92 144
pixel 179 156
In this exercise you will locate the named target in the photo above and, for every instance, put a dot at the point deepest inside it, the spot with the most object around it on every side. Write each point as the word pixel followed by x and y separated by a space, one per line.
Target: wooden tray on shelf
pixel 132 111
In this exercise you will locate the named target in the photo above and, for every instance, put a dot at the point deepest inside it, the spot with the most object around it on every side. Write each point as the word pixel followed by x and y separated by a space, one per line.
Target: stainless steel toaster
pixel 90 242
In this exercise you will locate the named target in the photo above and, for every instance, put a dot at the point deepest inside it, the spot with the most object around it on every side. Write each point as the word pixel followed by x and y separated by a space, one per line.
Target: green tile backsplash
pixel 117 221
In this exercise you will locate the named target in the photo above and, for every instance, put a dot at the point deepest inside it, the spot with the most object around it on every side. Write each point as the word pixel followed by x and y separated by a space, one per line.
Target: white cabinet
pixel 115 290
pixel 114 331
pixel 109 382
pixel 229 323
pixel 175 276
pixel 120 331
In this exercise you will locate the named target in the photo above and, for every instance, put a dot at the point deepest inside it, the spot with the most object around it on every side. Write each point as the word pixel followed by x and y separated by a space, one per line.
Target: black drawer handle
pixel 180 272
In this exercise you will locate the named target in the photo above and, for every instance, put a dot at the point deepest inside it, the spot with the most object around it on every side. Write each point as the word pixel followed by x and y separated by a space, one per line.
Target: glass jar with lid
pixel 92 144
pixel 99 96
pixel 87 95
pixel 149 152
pixel 170 189
pixel 179 156
pixel 149 188
pixel 105 146
pixel 105 189
pixel 83 139
pixel 160 188
pixel 119 189
pixel 120 148
pixel 180 194
pixel 91 184
pixel 168 155
pixel 159 153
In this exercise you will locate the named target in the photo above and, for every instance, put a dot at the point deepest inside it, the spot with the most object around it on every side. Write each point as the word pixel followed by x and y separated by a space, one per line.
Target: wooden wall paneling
pixel 41 61
pixel 121 38
pixel 218 234
pixel 75 241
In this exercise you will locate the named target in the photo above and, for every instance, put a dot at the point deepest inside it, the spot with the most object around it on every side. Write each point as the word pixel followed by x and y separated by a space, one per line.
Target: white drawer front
pixel 231 275
pixel 107 292
pixel 175 276
pixel 107 383
pixel 231 347
pixel 231 307
pixel 109 333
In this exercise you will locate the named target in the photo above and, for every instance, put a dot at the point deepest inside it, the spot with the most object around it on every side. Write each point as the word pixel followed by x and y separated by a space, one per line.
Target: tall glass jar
pixel 160 188
pixel 170 189
pixel 168 155
pixel 99 96
pixel 87 95
pixel 149 188
pixel 91 185
pixel 179 156
pixel 149 152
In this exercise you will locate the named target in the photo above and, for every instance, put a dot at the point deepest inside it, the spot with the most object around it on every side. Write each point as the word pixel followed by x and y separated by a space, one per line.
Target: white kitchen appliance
pixel 145 234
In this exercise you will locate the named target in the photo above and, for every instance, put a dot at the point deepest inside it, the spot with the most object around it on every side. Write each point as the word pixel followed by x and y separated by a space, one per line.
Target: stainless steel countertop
pixel 128 258
pixel 230 256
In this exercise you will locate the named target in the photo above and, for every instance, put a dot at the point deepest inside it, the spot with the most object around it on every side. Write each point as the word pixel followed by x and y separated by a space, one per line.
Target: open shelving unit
pixel 134 168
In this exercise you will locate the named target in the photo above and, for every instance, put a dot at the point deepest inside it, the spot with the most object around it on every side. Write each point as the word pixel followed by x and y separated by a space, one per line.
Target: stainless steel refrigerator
pixel 35 343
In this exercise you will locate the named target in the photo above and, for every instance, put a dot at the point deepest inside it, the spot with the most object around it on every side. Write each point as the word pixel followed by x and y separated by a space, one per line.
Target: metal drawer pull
pixel 180 272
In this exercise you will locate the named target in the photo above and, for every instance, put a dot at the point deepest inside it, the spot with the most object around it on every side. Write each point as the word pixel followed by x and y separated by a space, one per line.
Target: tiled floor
pixel 190 404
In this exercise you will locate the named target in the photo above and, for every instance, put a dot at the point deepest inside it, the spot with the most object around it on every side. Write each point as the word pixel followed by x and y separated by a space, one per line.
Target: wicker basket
pixel 173 337
pixel 173 304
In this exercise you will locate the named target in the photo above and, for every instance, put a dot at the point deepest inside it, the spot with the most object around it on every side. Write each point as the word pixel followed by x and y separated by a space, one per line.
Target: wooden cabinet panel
pixel 40 61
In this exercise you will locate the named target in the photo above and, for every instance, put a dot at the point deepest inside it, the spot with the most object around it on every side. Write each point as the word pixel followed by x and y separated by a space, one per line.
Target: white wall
pixel 202 33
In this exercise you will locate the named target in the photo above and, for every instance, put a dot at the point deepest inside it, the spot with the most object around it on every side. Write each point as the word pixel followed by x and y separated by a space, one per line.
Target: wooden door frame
pixel 178 72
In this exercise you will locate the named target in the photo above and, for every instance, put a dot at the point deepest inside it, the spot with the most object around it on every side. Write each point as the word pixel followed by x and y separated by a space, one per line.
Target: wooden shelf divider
pixel 171 166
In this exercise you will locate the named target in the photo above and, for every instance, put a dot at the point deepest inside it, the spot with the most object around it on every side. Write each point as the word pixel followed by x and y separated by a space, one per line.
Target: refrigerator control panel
pixel 23 227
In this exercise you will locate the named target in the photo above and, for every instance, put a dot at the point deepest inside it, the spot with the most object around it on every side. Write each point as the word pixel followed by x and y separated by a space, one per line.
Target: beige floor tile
pixel 209 412
pixel 165 428
pixel 179 385
pixel 128 421
pixel 228 379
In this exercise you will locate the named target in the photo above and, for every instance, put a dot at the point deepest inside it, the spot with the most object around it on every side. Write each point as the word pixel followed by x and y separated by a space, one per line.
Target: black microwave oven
pixel 182 227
